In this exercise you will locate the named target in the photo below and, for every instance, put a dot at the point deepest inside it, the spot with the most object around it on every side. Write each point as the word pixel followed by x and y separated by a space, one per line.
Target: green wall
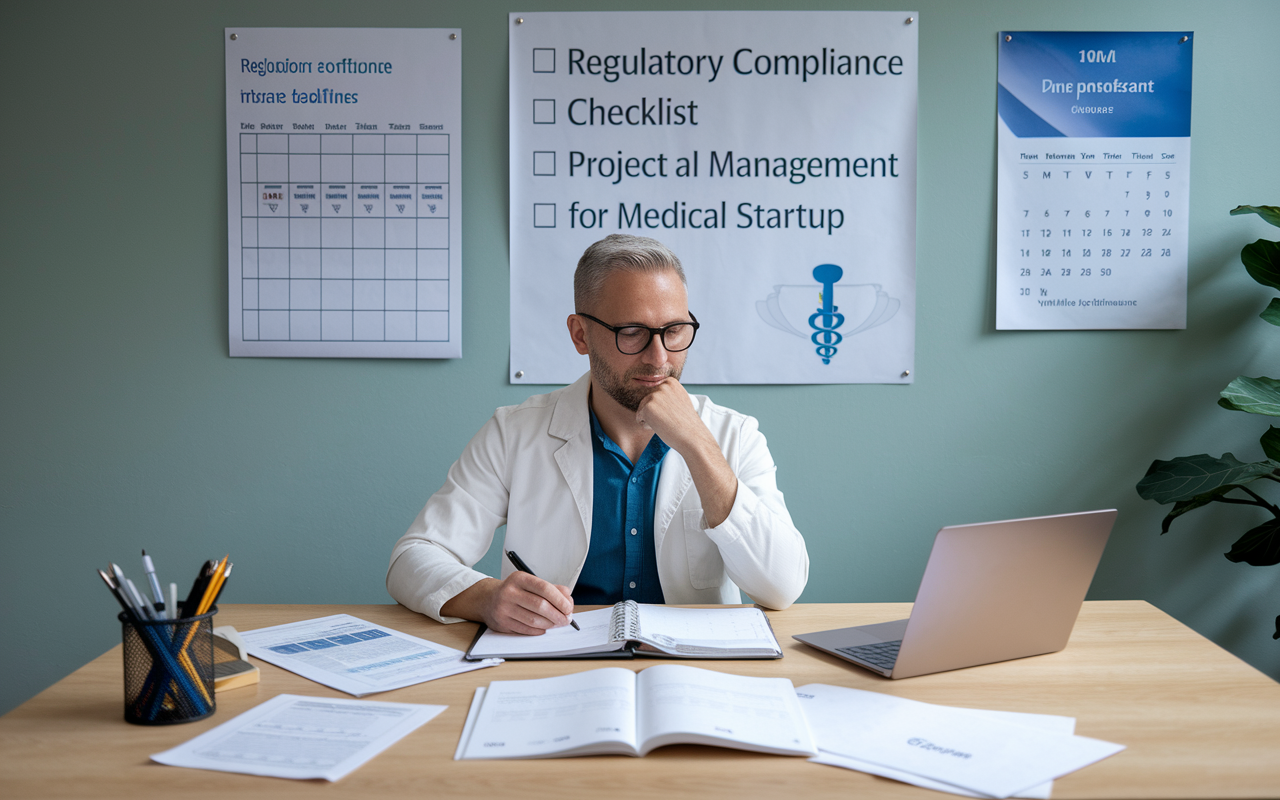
pixel 127 426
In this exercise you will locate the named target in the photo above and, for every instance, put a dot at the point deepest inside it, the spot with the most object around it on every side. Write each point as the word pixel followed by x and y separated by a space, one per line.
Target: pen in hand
pixel 523 567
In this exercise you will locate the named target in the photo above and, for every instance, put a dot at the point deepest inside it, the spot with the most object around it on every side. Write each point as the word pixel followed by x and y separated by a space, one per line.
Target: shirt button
pixel 633 531
pixel 633 584
pixel 633 480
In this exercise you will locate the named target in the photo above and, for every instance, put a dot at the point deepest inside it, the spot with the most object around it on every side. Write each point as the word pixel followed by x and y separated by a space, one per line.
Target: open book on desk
pixel 628 629
pixel 618 711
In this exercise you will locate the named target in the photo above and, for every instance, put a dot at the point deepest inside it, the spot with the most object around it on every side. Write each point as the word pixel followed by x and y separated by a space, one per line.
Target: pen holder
pixel 168 669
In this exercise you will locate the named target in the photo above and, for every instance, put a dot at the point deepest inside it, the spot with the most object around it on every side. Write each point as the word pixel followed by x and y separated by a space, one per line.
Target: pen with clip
pixel 150 568
pixel 523 567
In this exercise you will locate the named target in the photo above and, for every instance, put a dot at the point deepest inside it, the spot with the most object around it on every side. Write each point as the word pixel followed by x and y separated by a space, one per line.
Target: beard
pixel 620 388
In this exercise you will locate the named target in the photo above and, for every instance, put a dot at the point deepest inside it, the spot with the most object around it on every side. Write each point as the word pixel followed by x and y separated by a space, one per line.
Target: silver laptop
pixel 991 592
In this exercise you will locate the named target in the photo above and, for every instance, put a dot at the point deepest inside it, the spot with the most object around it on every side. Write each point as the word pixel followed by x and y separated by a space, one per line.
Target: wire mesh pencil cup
pixel 168 669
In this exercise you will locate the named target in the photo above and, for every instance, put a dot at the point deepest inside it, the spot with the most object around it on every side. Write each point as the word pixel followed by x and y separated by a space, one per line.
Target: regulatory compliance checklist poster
pixel 344 192
pixel 773 151
pixel 1093 179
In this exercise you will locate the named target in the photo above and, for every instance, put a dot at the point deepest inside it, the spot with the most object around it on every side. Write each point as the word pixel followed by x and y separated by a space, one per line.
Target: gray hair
pixel 619 251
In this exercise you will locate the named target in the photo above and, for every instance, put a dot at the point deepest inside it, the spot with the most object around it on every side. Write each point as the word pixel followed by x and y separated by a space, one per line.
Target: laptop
pixel 992 591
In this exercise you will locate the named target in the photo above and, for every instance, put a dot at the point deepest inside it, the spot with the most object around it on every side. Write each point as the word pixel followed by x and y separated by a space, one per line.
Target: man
pixel 620 486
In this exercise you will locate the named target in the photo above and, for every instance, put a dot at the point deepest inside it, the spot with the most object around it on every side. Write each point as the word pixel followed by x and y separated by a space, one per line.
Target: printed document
pixel 618 711
pixel 985 754
pixel 301 737
pixel 1049 722
pixel 354 656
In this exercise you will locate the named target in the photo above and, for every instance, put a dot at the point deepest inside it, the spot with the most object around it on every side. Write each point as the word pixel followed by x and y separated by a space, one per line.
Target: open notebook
pixel 629 629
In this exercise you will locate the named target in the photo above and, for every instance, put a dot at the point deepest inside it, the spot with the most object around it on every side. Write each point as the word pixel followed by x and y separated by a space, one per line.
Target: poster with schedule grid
pixel 343 192
pixel 1094 150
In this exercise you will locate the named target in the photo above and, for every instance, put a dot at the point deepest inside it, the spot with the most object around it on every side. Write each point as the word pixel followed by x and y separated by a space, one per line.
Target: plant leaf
pixel 1187 477
pixel 1271 443
pixel 1262 260
pixel 1259 395
pixel 1184 506
pixel 1272 312
pixel 1269 213
pixel 1259 546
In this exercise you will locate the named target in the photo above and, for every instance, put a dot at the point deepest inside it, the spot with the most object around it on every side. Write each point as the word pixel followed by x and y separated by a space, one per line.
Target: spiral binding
pixel 625 626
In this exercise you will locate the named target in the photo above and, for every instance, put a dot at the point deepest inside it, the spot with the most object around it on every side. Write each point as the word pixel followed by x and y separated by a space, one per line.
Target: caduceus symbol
pixel 826 320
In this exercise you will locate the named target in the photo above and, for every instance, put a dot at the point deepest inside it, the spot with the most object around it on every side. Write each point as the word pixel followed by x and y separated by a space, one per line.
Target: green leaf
pixel 1259 546
pixel 1262 260
pixel 1187 477
pixel 1269 213
pixel 1271 443
pixel 1190 505
pixel 1252 395
pixel 1272 312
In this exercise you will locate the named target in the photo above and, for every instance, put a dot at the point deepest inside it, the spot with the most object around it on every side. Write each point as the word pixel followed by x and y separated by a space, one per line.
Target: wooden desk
pixel 1198 722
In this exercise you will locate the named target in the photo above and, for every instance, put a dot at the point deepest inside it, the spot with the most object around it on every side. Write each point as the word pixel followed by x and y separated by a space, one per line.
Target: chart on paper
pixel 1093 180
pixel 343 209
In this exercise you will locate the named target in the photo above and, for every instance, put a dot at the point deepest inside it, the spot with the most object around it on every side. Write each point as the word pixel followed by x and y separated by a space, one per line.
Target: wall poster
pixel 774 152
pixel 343 192
pixel 1093 178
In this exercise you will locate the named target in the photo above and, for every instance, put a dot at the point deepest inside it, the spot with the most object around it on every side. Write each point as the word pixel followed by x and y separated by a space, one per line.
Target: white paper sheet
pixel 356 657
pixel 290 736
pixel 981 753
pixel 1049 722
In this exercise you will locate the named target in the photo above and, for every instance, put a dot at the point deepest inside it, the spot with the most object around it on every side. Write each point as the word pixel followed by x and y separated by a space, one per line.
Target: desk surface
pixel 1197 721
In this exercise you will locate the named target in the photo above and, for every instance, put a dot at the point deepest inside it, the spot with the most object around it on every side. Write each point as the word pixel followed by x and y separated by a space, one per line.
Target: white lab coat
pixel 530 467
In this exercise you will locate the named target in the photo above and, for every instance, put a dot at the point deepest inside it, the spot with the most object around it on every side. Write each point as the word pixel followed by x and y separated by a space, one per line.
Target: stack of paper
pixel 959 750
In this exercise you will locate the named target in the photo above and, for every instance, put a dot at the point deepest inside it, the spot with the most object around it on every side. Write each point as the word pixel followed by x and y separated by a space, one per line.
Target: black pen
pixel 523 567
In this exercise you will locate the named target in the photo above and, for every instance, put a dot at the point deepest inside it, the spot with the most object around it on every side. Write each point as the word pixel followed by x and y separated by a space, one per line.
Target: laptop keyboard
pixel 881 654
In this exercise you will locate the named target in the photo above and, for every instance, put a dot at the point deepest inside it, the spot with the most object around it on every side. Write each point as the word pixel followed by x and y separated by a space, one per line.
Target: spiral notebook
pixel 629 629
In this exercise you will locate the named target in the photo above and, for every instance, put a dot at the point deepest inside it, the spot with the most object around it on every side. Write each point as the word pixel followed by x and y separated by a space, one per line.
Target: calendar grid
pixel 345 237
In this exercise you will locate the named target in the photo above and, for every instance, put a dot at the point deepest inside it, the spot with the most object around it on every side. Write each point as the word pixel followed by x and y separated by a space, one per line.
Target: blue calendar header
pixel 1090 84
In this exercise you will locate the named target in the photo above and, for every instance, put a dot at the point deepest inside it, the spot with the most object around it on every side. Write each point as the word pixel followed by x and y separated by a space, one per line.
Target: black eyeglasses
pixel 633 339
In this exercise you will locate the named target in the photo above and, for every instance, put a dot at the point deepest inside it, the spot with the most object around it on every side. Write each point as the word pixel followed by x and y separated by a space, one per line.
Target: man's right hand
pixel 522 603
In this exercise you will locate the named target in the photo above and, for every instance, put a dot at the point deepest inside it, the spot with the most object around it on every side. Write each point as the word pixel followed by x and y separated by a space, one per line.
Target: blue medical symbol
pixel 826 321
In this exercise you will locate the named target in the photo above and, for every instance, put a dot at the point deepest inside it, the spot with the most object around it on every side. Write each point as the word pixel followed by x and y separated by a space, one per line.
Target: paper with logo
pixel 290 736
pixel 355 656
pixel 1049 722
pixel 980 753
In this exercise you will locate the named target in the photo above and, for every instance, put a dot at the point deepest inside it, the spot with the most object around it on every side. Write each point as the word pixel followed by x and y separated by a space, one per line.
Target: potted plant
pixel 1190 482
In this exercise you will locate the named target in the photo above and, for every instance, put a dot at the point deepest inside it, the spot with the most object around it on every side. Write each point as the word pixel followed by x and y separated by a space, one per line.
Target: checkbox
pixel 544 215
pixel 544 112
pixel 544 162
pixel 544 59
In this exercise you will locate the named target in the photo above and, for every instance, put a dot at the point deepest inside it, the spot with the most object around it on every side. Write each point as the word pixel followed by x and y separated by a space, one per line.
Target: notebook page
pixel 700 706
pixel 587 712
pixel 717 628
pixel 594 637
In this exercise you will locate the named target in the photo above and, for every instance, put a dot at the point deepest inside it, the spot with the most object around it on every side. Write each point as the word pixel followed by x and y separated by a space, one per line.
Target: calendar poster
pixel 1093 178
pixel 343 192
pixel 774 152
